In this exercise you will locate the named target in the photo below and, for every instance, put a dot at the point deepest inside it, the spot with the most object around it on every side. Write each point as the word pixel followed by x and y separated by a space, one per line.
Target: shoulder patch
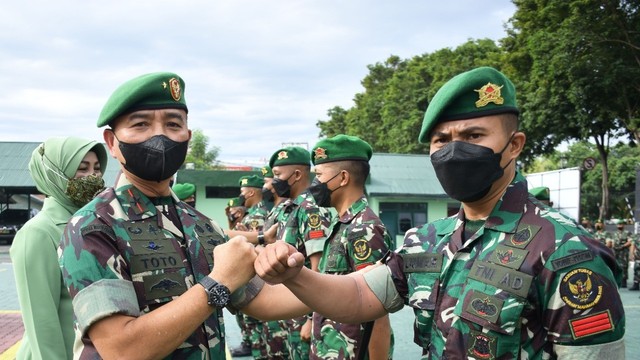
pixel 581 289
pixel 590 325
pixel 314 220
pixel 105 229
pixel 422 262
pixel 361 249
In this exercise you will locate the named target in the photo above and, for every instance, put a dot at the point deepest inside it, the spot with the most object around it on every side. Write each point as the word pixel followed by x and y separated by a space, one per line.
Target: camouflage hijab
pixel 56 160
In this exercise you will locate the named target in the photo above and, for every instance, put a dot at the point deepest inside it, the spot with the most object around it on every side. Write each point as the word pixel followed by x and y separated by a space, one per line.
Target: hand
pixel 278 262
pixel 233 263
pixel 240 227
pixel 305 331
pixel 270 235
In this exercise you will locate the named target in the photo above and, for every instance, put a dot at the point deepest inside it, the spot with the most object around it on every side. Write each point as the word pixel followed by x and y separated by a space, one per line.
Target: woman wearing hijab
pixel 69 172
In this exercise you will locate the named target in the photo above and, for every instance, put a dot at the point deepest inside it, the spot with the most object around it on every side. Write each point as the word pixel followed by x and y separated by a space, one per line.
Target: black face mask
pixel 267 195
pixel 154 159
pixel 321 192
pixel 241 200
pixel 467 171
pixel 282 187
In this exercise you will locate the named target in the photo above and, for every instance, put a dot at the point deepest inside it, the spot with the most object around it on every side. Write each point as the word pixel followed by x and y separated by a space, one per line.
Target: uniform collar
pixel 355 208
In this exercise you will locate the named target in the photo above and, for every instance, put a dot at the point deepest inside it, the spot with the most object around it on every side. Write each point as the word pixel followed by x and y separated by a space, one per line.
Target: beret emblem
pixel 244 181
pixel 174 89
pixel 320 153
pixel 264 171
pixel 282 155
pixel 489 93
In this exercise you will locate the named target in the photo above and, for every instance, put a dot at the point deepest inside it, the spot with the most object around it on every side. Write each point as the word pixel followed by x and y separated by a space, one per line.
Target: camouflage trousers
pixel 298 349
pixel 274 336
pixel 251 329
pixel 636 272
pixel 622 257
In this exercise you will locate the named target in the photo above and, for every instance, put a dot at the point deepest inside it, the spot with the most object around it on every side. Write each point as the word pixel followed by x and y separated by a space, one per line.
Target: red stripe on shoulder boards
pixel 362 266
pixel 590 325
pixel 315 234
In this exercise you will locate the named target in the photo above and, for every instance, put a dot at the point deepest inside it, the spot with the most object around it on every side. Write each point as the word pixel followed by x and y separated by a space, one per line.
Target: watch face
pixel 220 295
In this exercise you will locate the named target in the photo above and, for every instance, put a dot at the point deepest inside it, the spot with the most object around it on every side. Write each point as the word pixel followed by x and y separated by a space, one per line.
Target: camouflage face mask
pixel 82 190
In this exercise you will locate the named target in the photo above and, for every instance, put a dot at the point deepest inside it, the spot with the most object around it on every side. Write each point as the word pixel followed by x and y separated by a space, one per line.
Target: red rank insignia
pixel 591 325
pixel 316 234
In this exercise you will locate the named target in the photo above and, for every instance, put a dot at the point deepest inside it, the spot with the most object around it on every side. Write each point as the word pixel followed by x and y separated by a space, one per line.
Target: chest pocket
pixel 209 238
pixel 423 279
pixel 336 258
pixel 156 265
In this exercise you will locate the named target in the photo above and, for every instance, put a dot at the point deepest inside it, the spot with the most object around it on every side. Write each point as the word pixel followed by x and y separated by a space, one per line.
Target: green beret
pixel 251 181
pixel 622 222
pixel 266 171
pixel 480 92
pixel 161 90
pixel 540 193
pixel 293 155
pixel 233 202
pixel 339 148
pixel 184 190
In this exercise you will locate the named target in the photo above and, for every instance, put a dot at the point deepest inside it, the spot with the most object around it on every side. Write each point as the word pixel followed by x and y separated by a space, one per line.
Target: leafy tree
pixel 389 113
pixel 199 155
pixel 576 67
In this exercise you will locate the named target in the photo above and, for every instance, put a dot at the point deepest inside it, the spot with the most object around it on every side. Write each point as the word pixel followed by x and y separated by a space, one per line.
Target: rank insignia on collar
pixel 174 89
pixel 244 181
pixel 282 155
pixel 489 93
pixel 320 153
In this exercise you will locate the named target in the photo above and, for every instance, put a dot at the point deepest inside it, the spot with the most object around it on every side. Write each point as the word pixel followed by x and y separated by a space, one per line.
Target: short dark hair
pixel 510 122
pixel 359 170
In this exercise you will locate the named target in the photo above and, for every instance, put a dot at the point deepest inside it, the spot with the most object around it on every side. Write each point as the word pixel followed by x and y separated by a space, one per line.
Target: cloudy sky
pixel 257 73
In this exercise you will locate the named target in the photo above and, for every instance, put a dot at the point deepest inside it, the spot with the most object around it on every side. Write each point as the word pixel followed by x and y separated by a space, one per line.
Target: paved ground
pixel 402 322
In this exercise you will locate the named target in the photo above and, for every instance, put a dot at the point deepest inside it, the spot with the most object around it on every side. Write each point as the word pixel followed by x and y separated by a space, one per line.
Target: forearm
pixel 275 302
pixel 380 342
pixel 252 236
pixel 318 291
pixel 153 335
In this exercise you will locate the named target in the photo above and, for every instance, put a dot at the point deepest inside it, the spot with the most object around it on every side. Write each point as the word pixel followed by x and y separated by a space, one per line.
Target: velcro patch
pixel 591 325
pixel 316 234
pixel 481 346
pixel 572 259
pixel 105 229
pixel 509 280
pixel 422 262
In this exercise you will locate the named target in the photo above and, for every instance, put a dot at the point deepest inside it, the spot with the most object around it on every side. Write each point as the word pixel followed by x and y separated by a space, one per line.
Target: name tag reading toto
pixel 509 280
pixel 422 262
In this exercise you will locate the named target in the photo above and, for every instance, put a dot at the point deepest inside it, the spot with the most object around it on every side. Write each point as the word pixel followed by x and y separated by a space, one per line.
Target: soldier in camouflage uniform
pixel 274 336
pixel 302 224
pixel 137 250
pixel 601 234
pixel 622 242
pixel 253 220
pixel 505 278
pixel 358 239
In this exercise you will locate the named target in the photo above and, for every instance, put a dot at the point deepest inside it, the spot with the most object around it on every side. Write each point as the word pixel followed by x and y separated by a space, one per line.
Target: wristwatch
pixel 260 237
pixel 217 294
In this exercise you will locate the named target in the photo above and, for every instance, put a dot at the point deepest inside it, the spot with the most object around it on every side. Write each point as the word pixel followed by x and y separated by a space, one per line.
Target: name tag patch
pixel 572 259
pixel 509 280
pixel 422 262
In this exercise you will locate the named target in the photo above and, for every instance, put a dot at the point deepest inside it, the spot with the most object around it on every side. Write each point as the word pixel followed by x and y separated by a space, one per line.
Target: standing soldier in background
pixel 303 225
pixel 274 335
pixel 358 239
pixel 622 242
pixel 235 213
pixel 601 234
pixel 251 199
pixel 186 192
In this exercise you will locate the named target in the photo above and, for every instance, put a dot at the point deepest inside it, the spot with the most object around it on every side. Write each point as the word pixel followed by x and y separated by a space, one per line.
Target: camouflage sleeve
pixel 94 272
pixel 243 296
pixel 314 227
pixel 584 306
pixel 368 243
